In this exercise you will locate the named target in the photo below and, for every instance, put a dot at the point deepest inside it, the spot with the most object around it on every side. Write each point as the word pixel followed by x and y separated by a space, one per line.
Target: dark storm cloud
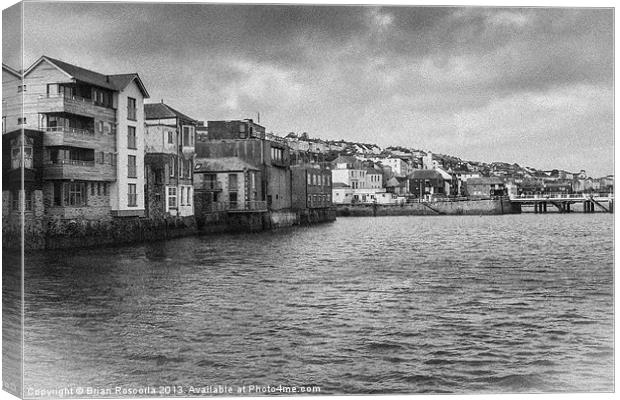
pixel 477 82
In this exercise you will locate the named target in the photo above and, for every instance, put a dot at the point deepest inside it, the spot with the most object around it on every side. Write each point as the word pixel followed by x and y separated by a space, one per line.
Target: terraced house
pixel 170 142
pixel 93 136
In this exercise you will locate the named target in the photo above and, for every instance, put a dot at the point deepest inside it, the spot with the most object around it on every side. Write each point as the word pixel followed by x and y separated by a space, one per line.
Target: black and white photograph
pixel 325 199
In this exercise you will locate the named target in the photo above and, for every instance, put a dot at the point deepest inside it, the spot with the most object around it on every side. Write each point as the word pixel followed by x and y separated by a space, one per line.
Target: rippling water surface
pixel 516 303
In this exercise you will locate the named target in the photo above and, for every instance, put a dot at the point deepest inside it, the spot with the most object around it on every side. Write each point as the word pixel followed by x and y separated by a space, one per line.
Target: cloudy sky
pixel 527 85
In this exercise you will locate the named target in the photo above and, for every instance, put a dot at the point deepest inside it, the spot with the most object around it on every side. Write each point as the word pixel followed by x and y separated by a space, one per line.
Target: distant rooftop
pixel 163 111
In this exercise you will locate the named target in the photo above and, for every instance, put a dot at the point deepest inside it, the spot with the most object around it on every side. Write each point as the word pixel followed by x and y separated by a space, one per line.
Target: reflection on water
pixel 362 305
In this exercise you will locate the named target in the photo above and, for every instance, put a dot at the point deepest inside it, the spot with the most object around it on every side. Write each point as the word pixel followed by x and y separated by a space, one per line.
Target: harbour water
pixel 457 304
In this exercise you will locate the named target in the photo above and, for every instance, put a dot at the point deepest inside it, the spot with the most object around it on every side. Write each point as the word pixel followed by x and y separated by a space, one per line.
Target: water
pixel 516 303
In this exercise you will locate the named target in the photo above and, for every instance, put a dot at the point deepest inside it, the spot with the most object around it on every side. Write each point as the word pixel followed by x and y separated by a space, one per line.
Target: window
pixel 309 179
pixel 232 182
pixel 98 189
pixel 105 189
pixel 188 200
pixel 21 121
pixel 131 167
pixel 242 131
pixel 74 194
pixel 131 137
pixel 131 108
pixel 132 196
pixel 182 196
pixel 173 166
pixel 100 157
pixel 170 137
pixel 188 168
pixel 16 156
pixel 92 189
pixel 172 198
pixel 188 132
pixel 21 88
pixel 100 126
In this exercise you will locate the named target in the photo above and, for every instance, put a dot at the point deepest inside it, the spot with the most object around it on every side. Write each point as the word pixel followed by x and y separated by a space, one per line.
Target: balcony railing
pixel 75 98
pixel 237 206
pixel 82 163
pixel 54 103
pixel 75 131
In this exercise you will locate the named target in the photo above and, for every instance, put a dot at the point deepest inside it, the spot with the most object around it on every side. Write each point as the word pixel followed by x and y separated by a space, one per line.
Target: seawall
pixel 55 233
pixel 465 207
pixel 259 221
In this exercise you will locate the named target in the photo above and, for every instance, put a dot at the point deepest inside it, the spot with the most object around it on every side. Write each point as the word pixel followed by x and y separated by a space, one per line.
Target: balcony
pixel 66 136
pixel 78 170
pixel 236 206
pixel 208 186
pixel 56 103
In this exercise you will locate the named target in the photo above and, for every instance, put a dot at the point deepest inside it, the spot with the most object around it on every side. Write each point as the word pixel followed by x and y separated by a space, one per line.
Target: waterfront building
pixel 311 186
pixel 248 141
pixel 365 183
pixel 342 193
pixel 93 136
pixel 227 184
pixel 426 183
pixel 397 185
pixel 169 161
pixel 485 187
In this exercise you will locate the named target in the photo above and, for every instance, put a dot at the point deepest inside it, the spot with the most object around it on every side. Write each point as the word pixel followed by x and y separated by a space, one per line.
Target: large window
pixel 131 137
pixel 131 167
pixel 172 198
pixel 132 196
pixel 15 200
pixel 131 109
pixel 74 194
pixel 277 154
pixel 16 155
pixel 170 137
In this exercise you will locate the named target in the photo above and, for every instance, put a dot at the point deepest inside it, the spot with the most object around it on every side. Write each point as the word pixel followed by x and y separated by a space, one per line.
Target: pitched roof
pixel 425 174
pixel 372 171
pixel 339 185
pixel 162 111
pixel 345 160
pixel 393 182
pixel 224 164
pixel 113 82
pixel 121 81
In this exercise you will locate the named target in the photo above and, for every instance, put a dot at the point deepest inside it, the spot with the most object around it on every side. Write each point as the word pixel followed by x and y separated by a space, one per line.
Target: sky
pixel 532 86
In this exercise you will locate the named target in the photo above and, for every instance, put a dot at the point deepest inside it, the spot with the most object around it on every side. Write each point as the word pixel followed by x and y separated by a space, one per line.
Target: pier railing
pixel 561 196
